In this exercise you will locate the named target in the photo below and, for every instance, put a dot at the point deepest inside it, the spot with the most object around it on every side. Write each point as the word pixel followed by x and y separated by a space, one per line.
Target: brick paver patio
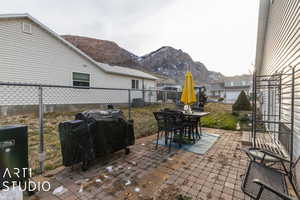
pixel 148 174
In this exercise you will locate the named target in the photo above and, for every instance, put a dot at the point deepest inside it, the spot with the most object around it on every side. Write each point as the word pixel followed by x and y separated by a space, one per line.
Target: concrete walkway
pixel 148 174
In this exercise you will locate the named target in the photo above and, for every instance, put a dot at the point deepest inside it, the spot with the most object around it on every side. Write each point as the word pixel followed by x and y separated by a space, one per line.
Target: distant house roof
pixel 244 77
pixel 126 71
pixel 215 86
pixel 106 68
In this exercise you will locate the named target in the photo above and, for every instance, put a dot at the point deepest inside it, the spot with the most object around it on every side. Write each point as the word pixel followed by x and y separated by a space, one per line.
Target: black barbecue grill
pixel 108 131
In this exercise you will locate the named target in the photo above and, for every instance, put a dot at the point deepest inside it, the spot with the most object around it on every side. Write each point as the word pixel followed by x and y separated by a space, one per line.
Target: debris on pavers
pixel 98 180
pixel 109 169
pixel 81 189
pixel 79 182
pixel 87 183
pixel 145 175
pixel 132 163
pixel 59 191
pixel 128 182
pixel 106 177
pixel 172 192
pixel 223 159
pixel 137 189
pixel 117 186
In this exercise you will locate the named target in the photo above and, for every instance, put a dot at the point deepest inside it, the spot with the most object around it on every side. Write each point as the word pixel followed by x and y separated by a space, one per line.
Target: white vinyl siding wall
pixel 42 59
pixel 282 49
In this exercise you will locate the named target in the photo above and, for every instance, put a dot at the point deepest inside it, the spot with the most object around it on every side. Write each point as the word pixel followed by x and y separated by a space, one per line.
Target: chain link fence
pixel 43 107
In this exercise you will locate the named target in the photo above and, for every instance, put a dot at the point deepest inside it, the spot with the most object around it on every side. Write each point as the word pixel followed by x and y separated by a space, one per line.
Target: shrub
pixel 220 99
pixel 242 103
pixel 235 113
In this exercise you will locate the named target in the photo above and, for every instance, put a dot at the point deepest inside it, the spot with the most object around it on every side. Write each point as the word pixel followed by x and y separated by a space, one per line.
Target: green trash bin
pixel 13 154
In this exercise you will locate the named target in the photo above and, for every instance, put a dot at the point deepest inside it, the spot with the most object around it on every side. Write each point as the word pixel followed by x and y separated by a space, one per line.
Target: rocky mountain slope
pixel 174 63
pixel 166 61
pixel 103 50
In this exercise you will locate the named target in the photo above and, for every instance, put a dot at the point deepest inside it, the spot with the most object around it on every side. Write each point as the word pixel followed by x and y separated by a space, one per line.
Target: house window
pixel 81 79
pixel 135 84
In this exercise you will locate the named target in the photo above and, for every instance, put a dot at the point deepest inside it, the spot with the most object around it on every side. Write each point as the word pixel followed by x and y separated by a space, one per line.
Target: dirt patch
pixel 172 192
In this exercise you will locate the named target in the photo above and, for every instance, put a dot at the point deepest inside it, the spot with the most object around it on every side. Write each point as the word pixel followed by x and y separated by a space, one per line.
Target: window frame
pixel 135 84
pixel 81 81
pixel 24 24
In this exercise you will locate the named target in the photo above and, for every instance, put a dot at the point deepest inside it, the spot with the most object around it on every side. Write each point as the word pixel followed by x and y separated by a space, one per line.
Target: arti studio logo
pixel 10 175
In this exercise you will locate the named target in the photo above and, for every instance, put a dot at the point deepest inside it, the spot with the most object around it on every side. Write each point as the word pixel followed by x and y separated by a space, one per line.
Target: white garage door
pixel 231 96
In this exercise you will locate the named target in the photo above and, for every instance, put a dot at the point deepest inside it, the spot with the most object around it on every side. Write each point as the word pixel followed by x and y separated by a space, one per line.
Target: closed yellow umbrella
pixel 188 96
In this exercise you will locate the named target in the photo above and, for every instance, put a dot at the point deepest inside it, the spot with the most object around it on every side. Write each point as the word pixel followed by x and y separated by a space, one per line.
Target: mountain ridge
pixel 165 61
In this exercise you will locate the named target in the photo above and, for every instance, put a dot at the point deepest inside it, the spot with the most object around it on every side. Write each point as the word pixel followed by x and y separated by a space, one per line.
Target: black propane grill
pixel 108 131
pixel 76 143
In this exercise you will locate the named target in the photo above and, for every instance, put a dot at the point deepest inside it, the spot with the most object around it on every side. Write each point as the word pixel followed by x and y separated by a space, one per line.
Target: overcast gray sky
pixel 219 33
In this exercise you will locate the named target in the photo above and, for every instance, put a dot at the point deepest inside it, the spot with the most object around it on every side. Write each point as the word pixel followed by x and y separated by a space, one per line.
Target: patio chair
pixel 188 125
pixel 171 124
pixel 165 128
pixel 191 127
pixel 258 155
pixel 177 118
pixel 161 126
pixel 268 183
pixel 175 124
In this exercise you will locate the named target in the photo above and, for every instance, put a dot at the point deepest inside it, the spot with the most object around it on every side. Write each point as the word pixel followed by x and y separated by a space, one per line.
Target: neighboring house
pixel 229 88
pixel 278 48
pixel 215 89
pixel 235 85
pixel 32 53
pixel 174 87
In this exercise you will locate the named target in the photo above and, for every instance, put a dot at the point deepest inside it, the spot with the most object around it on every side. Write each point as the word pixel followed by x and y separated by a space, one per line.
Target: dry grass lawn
pixel 220 116
pixel 144 125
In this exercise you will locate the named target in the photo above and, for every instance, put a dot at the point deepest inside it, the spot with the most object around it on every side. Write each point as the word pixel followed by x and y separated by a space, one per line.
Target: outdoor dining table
pixel 178 121
pixel 197 114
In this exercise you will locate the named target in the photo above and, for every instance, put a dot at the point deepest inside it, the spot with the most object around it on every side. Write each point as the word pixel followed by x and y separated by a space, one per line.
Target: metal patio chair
pixel 171 122
pixel 191 127
pixel 161 126
pixel 269 183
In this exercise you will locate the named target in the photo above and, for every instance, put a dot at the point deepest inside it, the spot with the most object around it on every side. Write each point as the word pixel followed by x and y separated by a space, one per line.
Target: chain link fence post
pixel 41 130
pixel 165 98
pixel 129 104
pixel 143 93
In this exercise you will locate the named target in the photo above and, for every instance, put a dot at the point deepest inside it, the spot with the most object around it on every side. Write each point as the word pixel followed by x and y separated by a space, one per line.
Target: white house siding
pixel 280 49
pixel 42 59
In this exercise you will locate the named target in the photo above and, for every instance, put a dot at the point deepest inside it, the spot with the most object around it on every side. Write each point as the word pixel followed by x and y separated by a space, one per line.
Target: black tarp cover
pixel 76 142
pixel 110 130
